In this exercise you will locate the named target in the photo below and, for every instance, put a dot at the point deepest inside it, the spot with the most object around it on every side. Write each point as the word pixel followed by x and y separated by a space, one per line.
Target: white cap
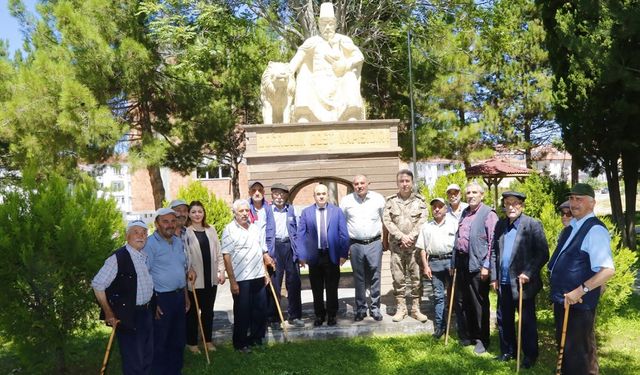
pixel 137 223
pixel 453 187
pixel 326 10
pixel 165 211
pixel 177 202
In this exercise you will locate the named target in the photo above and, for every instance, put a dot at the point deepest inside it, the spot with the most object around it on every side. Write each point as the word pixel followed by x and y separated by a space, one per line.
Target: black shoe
pixel 332 321
pixel 376 316
pixel 528 362
pixel 438 333
pixel 504 357
pixel 318 322
pixel 359 317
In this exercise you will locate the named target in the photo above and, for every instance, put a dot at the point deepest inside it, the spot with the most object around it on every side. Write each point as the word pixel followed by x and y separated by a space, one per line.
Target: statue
pixel 328 75
pixel 276 93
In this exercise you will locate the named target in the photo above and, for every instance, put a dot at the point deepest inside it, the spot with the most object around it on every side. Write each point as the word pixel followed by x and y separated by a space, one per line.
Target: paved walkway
pixel 346 327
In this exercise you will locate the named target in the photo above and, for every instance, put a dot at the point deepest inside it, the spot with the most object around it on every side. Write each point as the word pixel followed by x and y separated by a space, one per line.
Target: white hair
pixel 475 183
pixel 239 203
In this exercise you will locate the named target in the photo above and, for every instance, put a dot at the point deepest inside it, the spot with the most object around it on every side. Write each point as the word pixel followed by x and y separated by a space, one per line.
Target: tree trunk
pixel 613 181
pixel 630 165
pixel 157 188
pixel 528 147
pixel 307 20
pixel 235 179
pixel 575 172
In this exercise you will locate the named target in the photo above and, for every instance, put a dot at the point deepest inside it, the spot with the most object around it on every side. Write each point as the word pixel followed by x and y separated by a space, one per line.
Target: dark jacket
pixel 292 229
pixel 337 235
pixel 530 253
pixel 121 294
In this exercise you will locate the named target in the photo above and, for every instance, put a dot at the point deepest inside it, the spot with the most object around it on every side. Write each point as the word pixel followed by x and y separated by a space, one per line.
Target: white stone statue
pixel 276 93
pixel 328 75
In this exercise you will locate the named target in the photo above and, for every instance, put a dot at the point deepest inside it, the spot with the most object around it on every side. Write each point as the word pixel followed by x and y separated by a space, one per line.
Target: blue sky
pixel 9 28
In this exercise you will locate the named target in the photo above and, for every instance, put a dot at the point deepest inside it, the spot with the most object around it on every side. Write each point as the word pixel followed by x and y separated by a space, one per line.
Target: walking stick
pixel 204 341
pixel 519 326
pixel 563 338
pixel 453 291
pixel 277 300
pixel 106 354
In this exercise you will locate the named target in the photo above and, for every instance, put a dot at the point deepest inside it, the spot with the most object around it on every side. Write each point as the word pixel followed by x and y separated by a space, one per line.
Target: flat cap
pixel 279 186
pixel 177 202
pixel 564 205
pixel 437 200
pixel 137 223
pixel 582 189
pixel 165 211
pixel 517 194
pixel 453 187
pixel 254 183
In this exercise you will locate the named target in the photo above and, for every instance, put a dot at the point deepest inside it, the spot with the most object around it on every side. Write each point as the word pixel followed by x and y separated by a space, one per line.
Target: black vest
pixel 121 294
pixel 572 267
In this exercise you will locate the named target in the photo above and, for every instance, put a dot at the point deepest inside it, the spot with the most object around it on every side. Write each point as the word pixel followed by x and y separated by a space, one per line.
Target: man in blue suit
pixel 323 243
pixel 286 256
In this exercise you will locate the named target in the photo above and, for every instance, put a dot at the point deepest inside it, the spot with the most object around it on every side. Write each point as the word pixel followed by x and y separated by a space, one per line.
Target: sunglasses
pixel 566 213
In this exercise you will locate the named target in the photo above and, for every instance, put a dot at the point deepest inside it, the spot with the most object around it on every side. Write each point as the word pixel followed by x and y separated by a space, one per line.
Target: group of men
pixel 142 286
pixel 142 291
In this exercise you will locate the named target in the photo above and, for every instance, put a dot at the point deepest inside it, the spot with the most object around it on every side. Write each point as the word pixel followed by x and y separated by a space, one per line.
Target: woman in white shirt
pixel 205 258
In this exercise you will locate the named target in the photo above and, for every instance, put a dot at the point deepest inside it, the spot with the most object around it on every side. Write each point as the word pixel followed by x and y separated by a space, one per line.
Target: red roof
pixel 496 167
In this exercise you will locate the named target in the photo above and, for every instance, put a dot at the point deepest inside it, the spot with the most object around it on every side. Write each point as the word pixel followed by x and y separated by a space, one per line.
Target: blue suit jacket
pixel 337 235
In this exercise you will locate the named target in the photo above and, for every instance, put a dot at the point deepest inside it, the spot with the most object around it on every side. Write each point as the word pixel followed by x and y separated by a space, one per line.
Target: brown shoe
pixel 193 349
pixel 211 347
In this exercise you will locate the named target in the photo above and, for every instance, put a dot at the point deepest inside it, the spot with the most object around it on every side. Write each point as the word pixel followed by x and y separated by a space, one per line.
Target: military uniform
pixel 405 217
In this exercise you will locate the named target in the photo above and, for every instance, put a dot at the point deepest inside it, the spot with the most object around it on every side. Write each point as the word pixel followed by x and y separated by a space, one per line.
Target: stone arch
pixel 327 180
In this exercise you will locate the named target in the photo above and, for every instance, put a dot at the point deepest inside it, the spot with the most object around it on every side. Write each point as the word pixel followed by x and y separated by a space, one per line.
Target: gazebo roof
pixel 496 168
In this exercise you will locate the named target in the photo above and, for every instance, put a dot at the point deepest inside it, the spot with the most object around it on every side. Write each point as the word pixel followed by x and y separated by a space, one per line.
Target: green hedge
pixel 218 211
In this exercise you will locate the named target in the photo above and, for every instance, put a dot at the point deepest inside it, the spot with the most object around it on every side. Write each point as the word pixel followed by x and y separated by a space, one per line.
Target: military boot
pixel 401 309
pixel 415 311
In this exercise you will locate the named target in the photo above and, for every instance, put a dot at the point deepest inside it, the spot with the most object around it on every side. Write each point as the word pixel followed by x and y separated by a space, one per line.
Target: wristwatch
pixel 585 289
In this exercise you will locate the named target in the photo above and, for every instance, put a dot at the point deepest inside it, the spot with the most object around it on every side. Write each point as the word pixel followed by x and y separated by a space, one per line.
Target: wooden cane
pixel 453 291
pixel 519 326
pixel 563 338
pixel 106 354
pixel 276 299
pixel 204 340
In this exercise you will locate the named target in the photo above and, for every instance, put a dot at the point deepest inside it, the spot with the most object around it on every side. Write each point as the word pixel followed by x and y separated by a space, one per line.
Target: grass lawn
pixel 619 351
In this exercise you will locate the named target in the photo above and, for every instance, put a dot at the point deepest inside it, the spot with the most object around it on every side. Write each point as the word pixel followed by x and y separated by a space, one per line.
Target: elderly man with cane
pixel 124 290
pixel 580 265
pixel 435 241
pixel 520 250
pixel 245 256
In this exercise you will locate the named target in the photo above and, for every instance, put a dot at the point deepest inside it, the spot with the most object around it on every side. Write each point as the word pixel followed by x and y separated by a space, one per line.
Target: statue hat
pixel 326 10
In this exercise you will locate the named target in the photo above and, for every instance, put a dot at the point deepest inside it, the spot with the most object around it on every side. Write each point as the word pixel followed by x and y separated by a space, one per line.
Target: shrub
pixel 55 236
pixel 540 190
pixel 218 212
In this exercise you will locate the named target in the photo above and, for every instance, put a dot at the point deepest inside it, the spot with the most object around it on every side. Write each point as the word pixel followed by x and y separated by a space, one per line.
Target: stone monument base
pixel 300 154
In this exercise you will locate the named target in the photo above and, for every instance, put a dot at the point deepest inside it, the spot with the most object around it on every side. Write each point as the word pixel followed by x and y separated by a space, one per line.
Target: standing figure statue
pixel 328 75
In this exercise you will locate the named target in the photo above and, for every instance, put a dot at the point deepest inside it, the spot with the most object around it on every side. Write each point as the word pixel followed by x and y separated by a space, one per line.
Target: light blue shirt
pixel 280 217
pixel 167 262
pixel 597 243
pixel 108 272
pixel 505 257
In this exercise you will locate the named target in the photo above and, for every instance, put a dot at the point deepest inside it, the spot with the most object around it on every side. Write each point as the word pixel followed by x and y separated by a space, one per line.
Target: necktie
pixel 323 230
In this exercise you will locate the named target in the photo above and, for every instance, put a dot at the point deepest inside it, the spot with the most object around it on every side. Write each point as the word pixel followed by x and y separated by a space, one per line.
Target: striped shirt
pixel 245 246
pixel 108 272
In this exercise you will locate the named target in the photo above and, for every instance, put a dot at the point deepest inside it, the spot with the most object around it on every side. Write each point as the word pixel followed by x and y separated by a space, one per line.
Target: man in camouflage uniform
pixel 404 214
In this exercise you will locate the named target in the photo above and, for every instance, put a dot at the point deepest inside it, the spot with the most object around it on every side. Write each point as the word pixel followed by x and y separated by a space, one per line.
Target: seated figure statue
pixel 328 75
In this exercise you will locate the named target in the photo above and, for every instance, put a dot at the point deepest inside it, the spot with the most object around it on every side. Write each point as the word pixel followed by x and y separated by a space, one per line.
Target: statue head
pixel 327 21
